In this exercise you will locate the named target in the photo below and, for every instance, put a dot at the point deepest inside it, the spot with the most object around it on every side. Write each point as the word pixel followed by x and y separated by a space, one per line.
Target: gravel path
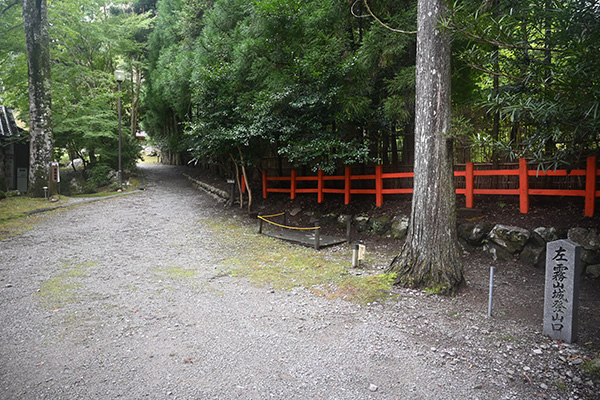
pixel 122 298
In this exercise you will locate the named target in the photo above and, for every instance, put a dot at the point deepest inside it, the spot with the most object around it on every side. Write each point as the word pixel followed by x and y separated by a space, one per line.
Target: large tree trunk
pixel 35 22
pixel 430 258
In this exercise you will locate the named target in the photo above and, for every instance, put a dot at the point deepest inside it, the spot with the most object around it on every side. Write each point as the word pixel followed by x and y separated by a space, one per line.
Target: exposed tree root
pixel 440 275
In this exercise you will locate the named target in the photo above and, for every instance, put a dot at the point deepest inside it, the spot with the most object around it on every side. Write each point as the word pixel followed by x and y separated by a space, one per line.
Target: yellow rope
pixel 283 226
pixel 269 216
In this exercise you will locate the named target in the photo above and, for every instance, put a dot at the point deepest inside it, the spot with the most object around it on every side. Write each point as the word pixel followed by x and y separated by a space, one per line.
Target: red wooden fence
pixel 590 193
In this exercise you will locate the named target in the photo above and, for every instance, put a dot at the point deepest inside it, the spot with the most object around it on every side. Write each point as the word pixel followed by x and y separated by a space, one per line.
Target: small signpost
pixel 55 172
pixel 358 254
pixel 54 180
pixel 561 298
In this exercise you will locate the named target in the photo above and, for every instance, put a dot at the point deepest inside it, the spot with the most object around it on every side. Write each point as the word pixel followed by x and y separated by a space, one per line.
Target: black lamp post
pixel 120 77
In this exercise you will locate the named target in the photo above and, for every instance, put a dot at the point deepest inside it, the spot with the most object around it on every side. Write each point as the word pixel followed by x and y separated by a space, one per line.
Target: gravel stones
pixel 150 314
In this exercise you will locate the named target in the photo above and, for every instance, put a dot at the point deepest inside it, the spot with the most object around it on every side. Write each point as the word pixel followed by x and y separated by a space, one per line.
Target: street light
pixel 120 77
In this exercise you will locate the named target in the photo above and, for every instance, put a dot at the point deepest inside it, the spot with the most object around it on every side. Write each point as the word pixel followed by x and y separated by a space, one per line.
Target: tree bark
pixel 430 258
pixel 35 22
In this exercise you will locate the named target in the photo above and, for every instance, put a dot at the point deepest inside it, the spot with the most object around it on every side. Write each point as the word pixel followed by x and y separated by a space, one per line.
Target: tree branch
pixel 8 7
pixel 378 20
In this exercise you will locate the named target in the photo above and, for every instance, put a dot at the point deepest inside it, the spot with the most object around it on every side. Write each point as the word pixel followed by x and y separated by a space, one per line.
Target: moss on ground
pixel 592 368
pixel 284 266
pixel 17 214
pixel 16 226
pixel 14 207
pixel 175 273
pixel 61 290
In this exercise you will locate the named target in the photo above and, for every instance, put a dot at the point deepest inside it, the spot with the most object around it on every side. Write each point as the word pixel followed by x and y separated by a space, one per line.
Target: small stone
pixel 537 351
pixel 373 387
pixel 8 285
pixel 543 386
pixel 577 361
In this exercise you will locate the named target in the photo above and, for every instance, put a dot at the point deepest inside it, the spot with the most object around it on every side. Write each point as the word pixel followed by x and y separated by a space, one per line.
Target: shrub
pixel 100 175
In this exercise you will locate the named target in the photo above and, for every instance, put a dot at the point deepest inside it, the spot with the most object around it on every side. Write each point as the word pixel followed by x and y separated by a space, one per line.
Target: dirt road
pixel 122 298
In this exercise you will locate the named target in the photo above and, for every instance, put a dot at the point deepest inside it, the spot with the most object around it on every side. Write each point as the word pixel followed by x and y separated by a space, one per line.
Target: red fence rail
pixel 590 192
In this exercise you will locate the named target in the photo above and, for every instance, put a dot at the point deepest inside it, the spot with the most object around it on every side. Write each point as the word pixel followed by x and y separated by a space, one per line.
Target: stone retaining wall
pixel 500 242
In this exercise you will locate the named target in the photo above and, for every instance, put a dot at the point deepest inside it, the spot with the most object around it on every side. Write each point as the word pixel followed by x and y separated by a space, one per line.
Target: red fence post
pixel 243 184
pixel 469 184
pixel 590 186
pixel 320 186
pixel 293 185
pixel 347 184
pixel 523 186
pixel 264 184
pixel 379 185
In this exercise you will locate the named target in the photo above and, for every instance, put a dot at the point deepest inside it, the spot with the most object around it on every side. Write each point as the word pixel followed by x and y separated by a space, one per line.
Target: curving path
pixel 121 298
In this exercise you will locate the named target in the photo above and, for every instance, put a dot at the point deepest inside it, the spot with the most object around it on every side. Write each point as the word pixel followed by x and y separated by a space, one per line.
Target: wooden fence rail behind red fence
pixel 590 193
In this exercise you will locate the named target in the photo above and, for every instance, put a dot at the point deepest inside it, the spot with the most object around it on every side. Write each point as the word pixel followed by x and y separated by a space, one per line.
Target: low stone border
pixel 218 194
pixel 500 242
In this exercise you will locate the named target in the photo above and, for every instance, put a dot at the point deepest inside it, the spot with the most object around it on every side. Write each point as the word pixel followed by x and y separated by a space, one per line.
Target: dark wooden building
pixel 14 153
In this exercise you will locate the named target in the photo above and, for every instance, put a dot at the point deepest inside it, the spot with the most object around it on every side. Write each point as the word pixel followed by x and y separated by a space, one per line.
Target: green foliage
pixel 100 174
pixel 314 82
pixel 89 39
pixel 13 57
pixel 546 91
pixel 277 78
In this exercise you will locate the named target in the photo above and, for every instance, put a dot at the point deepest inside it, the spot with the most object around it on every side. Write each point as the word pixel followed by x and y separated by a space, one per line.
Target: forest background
pixel 318 84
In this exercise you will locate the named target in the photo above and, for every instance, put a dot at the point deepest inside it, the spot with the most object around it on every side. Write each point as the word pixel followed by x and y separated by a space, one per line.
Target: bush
pixel 100 175
pixel 2 195
pixel 88 187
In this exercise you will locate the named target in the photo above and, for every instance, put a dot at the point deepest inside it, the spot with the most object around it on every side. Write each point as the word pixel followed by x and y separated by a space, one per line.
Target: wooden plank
pixel 305 238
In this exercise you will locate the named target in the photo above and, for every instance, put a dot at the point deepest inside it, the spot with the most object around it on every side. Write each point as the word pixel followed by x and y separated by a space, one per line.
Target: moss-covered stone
pixel 511 238
pixel 379 226
pixel 361 223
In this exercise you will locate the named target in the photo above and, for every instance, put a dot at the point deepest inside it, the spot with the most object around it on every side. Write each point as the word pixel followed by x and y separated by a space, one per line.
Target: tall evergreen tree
pixel 430 257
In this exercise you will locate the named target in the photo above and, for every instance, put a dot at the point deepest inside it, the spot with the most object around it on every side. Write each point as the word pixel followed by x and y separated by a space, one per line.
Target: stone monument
pixel 561 298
